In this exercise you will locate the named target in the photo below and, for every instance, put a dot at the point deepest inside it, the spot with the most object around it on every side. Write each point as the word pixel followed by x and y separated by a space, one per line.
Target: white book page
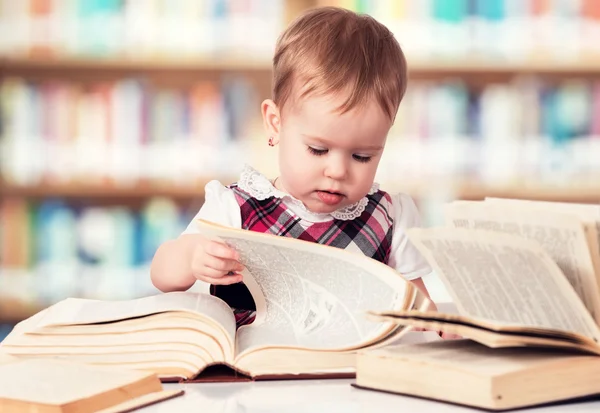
pixel 589 214
pixel 310 295
pixel 504 278
pixel 561 235
pixel 6 358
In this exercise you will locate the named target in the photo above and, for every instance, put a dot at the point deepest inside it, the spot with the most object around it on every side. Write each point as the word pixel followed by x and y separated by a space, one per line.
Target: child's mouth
pixel 330 198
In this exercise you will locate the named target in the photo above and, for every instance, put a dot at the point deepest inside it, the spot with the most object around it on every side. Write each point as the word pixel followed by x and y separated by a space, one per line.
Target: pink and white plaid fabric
pixel 371 232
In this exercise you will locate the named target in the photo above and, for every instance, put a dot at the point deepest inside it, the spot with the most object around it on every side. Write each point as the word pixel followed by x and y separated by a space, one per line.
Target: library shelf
pixel 474 190
pixel 99 191
pixel 460 65
pixel 485 66
pixel 581 194
pixel 457 189
pixel 128 63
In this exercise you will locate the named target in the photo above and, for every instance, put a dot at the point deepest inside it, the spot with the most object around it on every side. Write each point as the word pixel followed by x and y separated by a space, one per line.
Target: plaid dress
pixel 370 233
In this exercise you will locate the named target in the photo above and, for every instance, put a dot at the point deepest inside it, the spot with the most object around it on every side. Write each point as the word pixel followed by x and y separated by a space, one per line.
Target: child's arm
pixel 178 263
pixel 405 257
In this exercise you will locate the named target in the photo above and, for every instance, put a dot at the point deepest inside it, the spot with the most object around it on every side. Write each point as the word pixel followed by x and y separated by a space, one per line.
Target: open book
pixel 519 277
pixel 58 386
pixel 311 303
pixel 468 373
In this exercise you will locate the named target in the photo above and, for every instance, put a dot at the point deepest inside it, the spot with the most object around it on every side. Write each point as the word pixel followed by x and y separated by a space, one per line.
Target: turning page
pixel 503 278
pixel 311 295
pixel 562 236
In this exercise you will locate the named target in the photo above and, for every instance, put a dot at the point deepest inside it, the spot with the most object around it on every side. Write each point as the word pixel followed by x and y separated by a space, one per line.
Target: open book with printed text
pixel 311 301
pixel 521 273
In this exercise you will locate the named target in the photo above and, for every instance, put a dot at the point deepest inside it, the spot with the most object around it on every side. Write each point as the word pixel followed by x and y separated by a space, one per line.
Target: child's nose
pixel 336 169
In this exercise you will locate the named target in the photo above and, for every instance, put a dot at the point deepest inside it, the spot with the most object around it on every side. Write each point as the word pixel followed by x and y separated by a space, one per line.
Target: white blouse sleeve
pixel 404 257
pixel 220 207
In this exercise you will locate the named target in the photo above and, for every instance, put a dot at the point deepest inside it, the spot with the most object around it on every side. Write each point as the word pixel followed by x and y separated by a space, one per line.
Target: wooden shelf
pixel 486 66
pixel 209 63
pixel 475 191
pixel 458 66
pixel 105 191
pixel 460 189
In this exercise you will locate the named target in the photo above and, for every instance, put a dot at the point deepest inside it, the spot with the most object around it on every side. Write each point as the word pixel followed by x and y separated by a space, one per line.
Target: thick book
pixel 58 386
pixel 311 318
pixel 518 275
pixel 467 373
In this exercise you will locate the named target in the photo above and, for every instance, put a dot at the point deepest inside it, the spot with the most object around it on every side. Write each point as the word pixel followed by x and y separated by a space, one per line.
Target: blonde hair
pixel 330 50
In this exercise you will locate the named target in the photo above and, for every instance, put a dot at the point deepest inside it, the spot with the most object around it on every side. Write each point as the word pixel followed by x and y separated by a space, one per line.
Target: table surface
pixel 315 396
pixel 320 396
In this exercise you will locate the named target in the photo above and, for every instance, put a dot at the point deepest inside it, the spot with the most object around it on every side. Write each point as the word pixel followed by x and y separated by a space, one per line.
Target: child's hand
pixel 216 263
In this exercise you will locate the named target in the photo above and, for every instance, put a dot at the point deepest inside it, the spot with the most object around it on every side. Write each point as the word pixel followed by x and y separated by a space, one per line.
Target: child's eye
pixel 316 151
pixel 361 158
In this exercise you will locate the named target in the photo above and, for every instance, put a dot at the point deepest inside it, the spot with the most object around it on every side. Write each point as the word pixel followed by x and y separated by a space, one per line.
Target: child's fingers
pixel 221 264
pixel 220 250
pixel 220 279
pixel 202 271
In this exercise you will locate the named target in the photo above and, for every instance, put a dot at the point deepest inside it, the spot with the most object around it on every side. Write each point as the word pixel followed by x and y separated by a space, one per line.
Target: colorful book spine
pixel 493 29
pixel 91 251
pixel 523 130
pixel 150 28
pixel 123 132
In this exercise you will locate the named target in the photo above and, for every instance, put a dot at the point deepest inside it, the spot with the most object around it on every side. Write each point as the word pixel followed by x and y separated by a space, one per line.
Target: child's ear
pixel 271 120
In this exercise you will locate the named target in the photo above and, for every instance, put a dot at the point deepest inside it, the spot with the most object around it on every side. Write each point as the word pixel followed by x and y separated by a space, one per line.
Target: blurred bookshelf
pixel 114 115
pixel 582 65
pixel 135 64
pixel 99 191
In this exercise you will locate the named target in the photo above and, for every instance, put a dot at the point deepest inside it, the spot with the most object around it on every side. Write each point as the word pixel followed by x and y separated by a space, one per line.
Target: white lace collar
pixel 261 188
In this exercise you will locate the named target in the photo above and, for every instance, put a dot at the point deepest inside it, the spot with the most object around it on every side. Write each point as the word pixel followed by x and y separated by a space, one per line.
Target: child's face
pixel 328 160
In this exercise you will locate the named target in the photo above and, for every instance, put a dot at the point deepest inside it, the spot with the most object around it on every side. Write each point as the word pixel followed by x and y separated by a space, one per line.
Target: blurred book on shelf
pixel 497 30
pixel 427 29
pixel 525 130
pixel 124 131
pixel 53 250
pixel 151 28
